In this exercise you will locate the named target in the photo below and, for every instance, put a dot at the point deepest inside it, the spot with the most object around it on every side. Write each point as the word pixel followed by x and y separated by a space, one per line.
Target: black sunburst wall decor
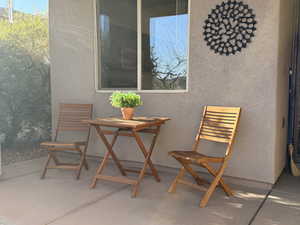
pixel 229 27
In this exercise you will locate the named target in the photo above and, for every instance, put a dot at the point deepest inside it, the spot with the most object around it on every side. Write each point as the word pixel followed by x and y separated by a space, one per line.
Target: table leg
pixel 147 155
pixel 109 148
pixel 106 156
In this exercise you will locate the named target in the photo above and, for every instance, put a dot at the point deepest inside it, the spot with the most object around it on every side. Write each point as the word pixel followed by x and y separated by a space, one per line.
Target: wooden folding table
pixel 129 128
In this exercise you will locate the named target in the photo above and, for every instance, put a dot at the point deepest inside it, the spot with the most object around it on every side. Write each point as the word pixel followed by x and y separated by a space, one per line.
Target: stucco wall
pixel 248 79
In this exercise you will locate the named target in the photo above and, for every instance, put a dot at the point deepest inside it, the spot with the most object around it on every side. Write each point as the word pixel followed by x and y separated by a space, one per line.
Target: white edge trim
pixel 144 91
pixel 139 45
pixel 95 47
pixel 97 56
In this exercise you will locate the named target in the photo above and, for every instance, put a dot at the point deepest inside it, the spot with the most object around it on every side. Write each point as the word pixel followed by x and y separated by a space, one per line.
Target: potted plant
pixel 127 102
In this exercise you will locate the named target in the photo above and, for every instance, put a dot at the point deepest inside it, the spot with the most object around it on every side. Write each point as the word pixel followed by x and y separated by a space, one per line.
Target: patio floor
pixel 62 200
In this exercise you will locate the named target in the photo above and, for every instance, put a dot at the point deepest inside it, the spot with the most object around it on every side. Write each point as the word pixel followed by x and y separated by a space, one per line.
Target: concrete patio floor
pixel 62 200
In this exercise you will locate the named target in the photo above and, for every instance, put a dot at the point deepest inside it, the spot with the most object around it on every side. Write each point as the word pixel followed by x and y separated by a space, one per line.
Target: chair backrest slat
pixel 71 116
pixel 219 123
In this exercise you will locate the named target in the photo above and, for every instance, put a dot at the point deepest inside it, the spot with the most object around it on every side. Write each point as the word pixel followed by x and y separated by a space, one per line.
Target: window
pixel 142 44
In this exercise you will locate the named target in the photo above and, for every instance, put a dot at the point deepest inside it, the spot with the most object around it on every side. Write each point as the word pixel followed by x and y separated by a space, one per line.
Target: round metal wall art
pixel 229 27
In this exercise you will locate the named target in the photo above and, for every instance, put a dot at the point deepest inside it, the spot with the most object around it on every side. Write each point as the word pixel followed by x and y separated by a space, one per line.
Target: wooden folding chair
pixel 219 124
pixel 69 119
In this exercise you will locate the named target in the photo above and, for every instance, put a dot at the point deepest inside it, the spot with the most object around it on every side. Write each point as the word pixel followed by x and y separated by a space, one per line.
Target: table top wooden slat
pixel 135 123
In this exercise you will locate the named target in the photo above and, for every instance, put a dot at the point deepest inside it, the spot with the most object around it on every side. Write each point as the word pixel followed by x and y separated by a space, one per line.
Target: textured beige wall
pixel 248 79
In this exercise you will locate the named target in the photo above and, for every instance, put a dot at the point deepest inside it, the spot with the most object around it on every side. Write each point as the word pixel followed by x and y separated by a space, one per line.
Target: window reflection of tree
pixel 164 44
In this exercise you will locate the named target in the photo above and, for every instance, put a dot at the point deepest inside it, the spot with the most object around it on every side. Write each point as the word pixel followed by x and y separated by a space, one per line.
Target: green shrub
pixel 125 100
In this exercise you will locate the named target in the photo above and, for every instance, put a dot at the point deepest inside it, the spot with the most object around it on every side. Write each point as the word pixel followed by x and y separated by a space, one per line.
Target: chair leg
pixel 209 192
pixel 83 154
pixel 172 188
pixel 224 186
pixel 46 166
pixel 198 179
pixel 218 176
pixel 85 163
pixel 81 164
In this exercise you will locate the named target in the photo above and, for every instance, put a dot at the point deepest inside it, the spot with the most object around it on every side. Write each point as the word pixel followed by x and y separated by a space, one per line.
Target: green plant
pixel 25 104
pixel 125 100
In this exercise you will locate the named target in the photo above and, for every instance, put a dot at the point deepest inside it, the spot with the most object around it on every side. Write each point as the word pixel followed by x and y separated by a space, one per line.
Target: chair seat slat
pixel 221 118
pixel 221 135
pixel 209 129
pixel 221 109
pixel 222 115
pixel 228 114
pixel 223 129
pixel 218 121
pixel 218 125
pixel 215 135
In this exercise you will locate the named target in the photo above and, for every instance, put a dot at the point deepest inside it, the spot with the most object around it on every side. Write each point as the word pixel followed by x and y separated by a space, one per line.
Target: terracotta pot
pixel 127 113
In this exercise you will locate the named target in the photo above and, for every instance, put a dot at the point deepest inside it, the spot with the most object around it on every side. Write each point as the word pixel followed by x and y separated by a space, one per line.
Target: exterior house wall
pixel 249 79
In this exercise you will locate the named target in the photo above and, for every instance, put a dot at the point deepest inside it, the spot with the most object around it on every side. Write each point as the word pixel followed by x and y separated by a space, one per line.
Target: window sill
pixel 146 91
